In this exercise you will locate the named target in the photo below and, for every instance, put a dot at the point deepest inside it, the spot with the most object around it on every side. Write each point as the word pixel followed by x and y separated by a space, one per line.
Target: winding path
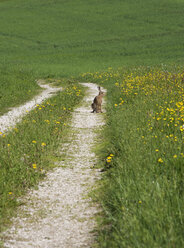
pixel 60 214
pixel 15 115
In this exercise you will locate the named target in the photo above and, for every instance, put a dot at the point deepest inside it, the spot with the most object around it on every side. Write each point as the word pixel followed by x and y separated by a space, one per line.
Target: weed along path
pixel 60 213
pixel 13 116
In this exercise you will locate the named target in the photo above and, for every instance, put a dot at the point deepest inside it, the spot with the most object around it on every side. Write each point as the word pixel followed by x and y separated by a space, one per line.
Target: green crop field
pixel 69 37
pixel 135 49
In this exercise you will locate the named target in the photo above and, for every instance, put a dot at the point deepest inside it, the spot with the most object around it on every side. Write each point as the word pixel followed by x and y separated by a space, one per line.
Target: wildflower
pixel 43 144
pixel 1 133
pixel 112 155
pixel 109 159
pixel 8 145
pixel 140 202
pixel 34 166
pixel 115 105
pixel 34 142
pixel 175 156
pixel 156 150
pixel 10 193
pixel 160 160
pixel 182 128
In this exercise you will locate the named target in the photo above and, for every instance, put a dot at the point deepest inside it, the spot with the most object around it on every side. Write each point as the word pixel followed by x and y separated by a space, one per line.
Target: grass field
pixel 135 50
pixel 143 155
pixel 69 37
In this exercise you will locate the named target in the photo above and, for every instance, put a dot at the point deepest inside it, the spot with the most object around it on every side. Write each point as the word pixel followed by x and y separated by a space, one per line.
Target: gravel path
pixel 15 115
pixel 60 214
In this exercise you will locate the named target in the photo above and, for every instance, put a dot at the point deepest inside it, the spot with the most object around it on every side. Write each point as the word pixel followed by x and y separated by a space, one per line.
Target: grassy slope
pixel 69 37
pixel 64 38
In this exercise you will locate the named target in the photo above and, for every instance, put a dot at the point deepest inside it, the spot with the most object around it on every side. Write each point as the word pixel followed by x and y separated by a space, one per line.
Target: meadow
pixel 142 158
pixel 135 50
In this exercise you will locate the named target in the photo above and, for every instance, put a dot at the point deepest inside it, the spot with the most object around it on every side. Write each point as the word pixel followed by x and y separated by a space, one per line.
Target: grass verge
pixel 29 149
pixel 142 189
pixel 17 86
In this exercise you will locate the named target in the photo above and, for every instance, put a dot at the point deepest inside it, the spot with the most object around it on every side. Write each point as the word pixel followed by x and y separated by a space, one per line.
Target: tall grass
pixel 142 190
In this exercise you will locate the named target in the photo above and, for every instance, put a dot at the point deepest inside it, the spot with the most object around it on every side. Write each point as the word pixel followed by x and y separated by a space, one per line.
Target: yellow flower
pixel 115 105
pixel 182 128
pixel 112 155
pixel 175 156
pixel 8 145
pixel 156 150
pixel 34 166
pixel 160 160
pixel 43 144
pixel 34 141
pixel 10 193
pixel 140 202
pixel 1 133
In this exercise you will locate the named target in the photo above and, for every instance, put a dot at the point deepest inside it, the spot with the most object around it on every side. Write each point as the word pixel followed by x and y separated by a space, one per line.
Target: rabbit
pixel 97 102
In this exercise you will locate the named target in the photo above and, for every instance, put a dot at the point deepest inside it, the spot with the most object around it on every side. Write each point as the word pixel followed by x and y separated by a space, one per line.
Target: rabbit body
pixel 97 102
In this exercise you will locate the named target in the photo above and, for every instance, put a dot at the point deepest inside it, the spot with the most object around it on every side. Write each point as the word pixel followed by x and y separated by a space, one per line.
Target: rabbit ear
pixel 99 88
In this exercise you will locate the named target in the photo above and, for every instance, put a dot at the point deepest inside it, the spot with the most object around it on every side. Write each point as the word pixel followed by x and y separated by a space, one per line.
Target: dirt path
pixel 15 115
pixel 60 214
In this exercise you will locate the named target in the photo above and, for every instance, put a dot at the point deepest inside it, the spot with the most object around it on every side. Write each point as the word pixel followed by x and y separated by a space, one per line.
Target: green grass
pixel 31 148
pixel 69 37
pixel 141 193
pixel 64 38
pixel 17 86
pixel 141 197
